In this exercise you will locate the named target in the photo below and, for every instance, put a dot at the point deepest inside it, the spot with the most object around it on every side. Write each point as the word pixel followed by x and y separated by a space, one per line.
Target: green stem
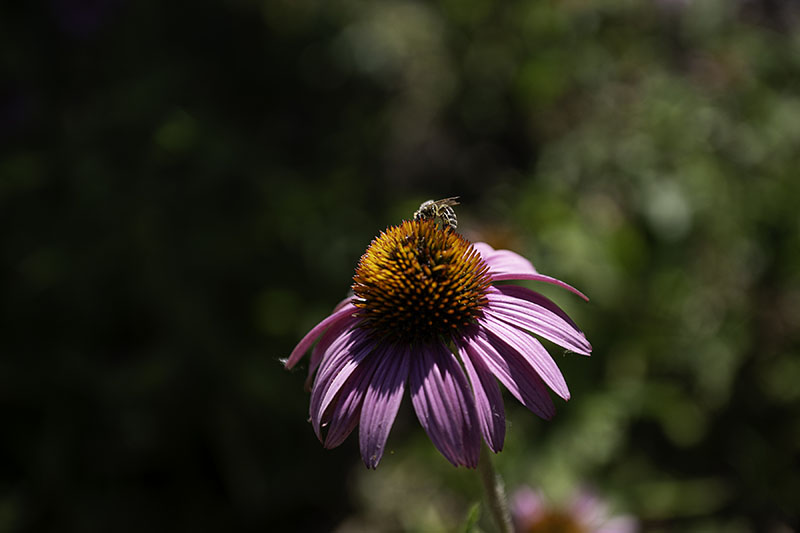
pixel 495 492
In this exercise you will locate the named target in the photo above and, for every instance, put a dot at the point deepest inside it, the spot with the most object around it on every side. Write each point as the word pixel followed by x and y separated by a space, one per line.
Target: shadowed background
pixel 185 191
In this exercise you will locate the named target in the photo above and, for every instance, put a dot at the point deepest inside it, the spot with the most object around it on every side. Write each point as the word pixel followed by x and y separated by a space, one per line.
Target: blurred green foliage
pixel 185 190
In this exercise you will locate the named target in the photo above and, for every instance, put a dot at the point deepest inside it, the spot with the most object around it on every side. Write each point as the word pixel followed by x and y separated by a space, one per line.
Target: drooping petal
pixel 342 375
pixel 342 418
pixel 443 403
pixel 381 402
pixel 331 334
pixel 513 371
pixel 503 261
pixel 537 319
pixel 488 400
pixel 538 277
pixel 345 410
pixel 533 352
pixel 524 293
pixel 306 342
pixel 340 361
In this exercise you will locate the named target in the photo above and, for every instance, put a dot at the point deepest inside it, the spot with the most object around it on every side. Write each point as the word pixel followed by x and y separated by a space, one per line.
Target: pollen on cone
pixel 417 282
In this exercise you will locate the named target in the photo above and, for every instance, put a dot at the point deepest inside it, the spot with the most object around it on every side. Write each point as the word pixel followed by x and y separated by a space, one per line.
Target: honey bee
pixel 439 209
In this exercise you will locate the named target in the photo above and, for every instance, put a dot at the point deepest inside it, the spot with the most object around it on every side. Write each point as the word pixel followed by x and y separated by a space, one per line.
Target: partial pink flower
pixel 428 315
pixel 585 513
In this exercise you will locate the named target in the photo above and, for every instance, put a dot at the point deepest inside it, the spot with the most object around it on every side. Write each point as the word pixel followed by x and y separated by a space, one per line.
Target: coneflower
pixel 427 315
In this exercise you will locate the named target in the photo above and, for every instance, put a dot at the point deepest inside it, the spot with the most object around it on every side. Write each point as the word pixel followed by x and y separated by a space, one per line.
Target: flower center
pixel 418 282
pixel 555 522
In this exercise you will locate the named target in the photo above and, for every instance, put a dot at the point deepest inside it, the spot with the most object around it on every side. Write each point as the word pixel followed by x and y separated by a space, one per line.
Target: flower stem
pixel 495 492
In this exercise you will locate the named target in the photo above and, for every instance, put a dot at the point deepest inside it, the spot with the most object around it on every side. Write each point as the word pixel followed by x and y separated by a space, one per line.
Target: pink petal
pixel 306 342
pixel 533 352
pixel 443 403
pixel 524 293
pixel 538 319
pixel 381 403
pixel 538 277
pixel 503 261
pixel 513 371
pixel 343 417
pixel 337 380
pixel 331 334
pixel 340 361
pixel 488 400
pixel 344 302
pixel 346 409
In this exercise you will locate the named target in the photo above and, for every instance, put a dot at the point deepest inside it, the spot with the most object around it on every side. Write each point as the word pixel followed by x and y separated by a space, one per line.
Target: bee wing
pixel 453 200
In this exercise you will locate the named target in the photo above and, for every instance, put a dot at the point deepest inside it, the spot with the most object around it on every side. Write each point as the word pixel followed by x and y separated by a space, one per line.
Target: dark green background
pixel 185 190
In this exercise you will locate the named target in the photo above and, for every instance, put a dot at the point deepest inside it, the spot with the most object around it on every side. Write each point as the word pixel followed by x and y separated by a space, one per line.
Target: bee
pixel 441 209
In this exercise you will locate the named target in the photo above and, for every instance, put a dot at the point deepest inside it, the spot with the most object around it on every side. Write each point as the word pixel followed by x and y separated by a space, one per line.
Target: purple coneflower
pixel 585 513
pixel 422 294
